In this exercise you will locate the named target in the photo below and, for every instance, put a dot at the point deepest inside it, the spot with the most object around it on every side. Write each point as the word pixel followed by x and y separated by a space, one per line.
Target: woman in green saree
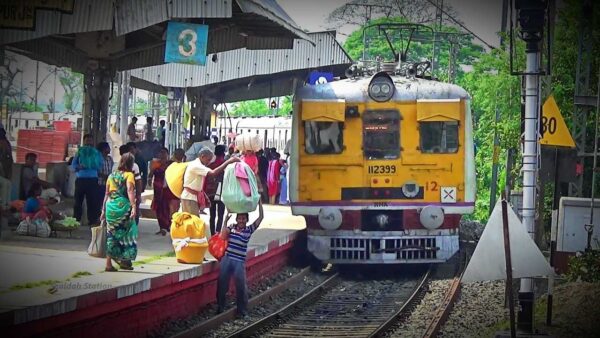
pixel 119 210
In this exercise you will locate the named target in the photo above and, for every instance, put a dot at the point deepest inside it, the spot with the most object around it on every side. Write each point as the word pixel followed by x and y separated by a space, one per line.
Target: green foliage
pixel 261 107
pixel 548 201
pixel 153 258
pixel 421 47
pixel 141 107
pixel 24 106
pixel 31 285
pixel 72 83
pixel 492 89
pixel 80 274
pixel 585 267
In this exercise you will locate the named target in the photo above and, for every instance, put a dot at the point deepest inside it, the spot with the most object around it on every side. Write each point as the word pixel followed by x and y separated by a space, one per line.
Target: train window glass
pixel 323 137
pixel 439 137
pixel 381 134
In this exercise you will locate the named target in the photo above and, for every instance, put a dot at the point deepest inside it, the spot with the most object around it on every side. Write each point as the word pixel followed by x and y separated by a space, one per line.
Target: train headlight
pixel 431 217
pixel 410 189
pixel 330 218
pixel 375 89
pixel 381 88
pixel 385 88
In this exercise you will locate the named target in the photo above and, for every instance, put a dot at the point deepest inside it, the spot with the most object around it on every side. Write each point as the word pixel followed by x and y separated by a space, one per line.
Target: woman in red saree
pixel 161 199
pixel 273 177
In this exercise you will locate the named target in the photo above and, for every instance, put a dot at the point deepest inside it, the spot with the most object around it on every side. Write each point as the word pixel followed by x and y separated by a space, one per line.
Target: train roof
pixel 407 89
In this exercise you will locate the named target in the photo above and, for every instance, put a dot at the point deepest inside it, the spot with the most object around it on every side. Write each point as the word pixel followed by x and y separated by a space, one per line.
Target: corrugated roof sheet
pixel 128 16
pixel 243 63
pixel 88 16
pixel 271 10
pixel 132 15
pixel 200 9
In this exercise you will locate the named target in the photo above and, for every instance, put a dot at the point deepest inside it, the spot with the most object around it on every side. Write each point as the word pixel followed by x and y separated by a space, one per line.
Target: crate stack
pixel 49 145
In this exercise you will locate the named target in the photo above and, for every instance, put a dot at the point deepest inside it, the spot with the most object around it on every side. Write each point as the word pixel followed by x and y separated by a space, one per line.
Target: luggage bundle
pixel 240 190
pixel 189 238
pixel 174 177
pixel 248 141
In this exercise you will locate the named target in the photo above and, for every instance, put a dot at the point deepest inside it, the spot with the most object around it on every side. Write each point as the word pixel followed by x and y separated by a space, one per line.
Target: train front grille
pixel 363 248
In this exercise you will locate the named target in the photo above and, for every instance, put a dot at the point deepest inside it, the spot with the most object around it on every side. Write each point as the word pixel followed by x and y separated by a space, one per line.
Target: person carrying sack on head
pixel 234 262
pixel 193 198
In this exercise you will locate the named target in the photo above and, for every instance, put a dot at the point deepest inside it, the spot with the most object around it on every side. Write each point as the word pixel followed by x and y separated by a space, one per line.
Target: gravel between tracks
pixel 171 328
pixel 419 320
pixel 480 306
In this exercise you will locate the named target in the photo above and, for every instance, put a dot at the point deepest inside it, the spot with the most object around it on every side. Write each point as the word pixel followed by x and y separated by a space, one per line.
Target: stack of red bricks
pixel 49 145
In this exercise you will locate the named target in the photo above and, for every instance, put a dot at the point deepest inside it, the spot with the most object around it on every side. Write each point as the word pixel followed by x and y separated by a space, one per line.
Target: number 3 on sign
pixel 187 42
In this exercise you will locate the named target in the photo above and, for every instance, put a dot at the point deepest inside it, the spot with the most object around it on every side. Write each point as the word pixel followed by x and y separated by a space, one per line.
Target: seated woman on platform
pixel 36 207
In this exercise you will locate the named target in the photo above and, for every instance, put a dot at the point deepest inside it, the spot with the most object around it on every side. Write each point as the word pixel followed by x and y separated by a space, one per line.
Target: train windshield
pixel 381 134
pixel 323 137
pixel 439 137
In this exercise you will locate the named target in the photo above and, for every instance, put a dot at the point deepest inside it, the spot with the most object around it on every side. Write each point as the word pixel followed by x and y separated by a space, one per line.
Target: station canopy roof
pixel 128 34
pixel 244 74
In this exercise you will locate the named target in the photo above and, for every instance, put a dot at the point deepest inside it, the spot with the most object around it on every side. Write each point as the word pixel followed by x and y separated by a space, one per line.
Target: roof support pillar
pixel 97 81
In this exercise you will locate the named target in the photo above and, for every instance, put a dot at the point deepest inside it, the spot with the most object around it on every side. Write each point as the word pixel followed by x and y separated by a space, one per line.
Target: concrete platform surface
pixel 59 271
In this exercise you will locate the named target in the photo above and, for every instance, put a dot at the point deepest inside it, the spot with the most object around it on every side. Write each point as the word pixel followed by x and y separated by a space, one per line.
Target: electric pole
pixel 531 17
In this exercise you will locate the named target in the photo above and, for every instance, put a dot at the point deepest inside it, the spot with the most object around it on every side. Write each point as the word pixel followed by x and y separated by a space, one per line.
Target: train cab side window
pixel 323 137
pixel 439 137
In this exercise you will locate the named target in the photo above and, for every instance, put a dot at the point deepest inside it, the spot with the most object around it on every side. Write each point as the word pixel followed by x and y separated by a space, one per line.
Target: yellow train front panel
pixel 382 182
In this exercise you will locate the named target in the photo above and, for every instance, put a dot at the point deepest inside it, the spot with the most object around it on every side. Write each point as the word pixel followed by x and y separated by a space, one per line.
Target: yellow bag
pixel 189 238
pixel 174 177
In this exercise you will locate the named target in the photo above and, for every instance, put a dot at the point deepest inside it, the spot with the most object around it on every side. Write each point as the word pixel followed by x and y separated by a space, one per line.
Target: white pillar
pixel 125 105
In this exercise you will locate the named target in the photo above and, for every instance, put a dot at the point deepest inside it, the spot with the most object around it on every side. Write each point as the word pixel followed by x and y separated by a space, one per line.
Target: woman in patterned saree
pixel 119 212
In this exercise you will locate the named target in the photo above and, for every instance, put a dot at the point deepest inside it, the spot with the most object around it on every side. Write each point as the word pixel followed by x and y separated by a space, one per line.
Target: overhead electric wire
pixel 461 25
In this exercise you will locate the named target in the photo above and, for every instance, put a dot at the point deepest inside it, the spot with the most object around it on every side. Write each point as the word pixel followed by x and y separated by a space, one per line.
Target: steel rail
pixel 288 309
pixel 408 306
pixel 226 316
pixel 443 311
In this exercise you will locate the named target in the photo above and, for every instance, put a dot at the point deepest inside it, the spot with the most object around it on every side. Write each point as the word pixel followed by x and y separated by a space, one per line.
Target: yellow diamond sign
pixel 554 129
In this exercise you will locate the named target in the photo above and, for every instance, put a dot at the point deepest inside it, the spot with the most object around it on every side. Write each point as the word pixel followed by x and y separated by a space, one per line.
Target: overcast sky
pixel 480 16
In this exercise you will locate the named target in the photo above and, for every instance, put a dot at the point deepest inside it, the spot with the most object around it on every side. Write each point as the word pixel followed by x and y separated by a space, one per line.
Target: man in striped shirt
pixel 233 263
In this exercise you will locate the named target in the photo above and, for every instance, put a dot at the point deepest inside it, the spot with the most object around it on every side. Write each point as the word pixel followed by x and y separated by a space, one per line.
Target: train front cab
pixel 382 182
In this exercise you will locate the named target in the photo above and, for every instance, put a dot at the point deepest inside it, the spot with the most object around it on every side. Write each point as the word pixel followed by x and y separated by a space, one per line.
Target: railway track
pixel 443 311
pixel 347 307
pixel 342 307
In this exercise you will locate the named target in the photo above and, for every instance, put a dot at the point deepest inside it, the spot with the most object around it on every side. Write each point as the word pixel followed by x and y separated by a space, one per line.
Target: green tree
pixel 8 72
pixel 261 107
pixel 492 88
pixel 142 106
pixel 72 83
pixel 421 47
pixel 415 11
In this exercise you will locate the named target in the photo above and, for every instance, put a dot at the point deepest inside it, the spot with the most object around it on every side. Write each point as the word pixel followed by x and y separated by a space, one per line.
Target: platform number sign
pixel 186 43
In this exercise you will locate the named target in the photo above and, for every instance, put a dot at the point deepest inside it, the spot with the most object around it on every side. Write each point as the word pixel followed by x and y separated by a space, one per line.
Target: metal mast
pixel 531 16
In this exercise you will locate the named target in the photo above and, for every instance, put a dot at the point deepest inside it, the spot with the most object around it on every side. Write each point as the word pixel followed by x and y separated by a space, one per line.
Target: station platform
pixel 50 286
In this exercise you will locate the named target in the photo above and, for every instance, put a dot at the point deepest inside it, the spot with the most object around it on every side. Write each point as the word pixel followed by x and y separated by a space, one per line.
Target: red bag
pixel 201 197
pixel 217 246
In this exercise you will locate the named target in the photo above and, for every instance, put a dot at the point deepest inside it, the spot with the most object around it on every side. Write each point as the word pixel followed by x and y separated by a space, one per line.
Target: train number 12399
pixel 382 169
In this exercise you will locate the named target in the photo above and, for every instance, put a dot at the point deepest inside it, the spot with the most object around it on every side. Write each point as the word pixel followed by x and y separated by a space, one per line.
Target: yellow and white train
pixel 382 168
